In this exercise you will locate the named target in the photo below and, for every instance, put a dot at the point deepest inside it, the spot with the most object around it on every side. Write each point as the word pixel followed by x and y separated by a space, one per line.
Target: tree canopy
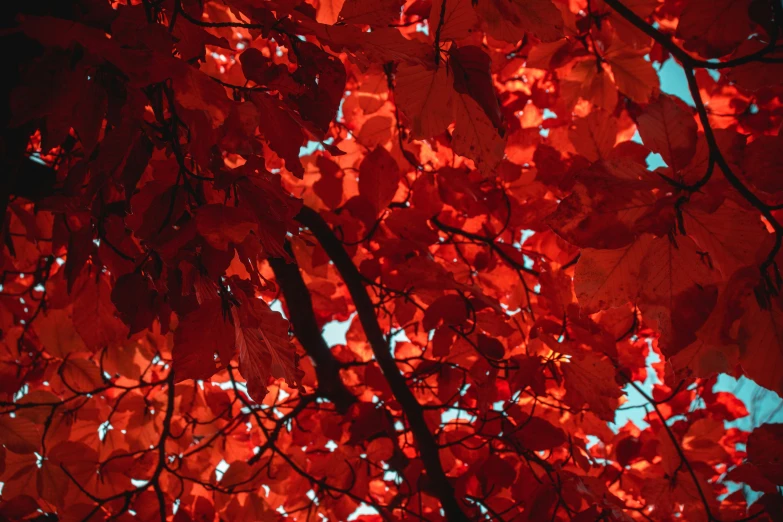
pixel 542 261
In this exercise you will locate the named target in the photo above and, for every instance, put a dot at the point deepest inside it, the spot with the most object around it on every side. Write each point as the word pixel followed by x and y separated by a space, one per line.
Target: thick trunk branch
pixel 300 311
pixel 425 441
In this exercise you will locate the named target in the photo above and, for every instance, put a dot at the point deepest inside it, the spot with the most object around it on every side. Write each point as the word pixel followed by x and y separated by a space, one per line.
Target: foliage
pixel 471 200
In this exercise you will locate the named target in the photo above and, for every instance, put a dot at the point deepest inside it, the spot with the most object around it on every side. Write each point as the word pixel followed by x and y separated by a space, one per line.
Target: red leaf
pixel 136 301
pixel 510 20
pixel 633 75
pixel 610 278
pixel 57 333
pixel 456 21
pixel 761 163
pixel 329 186
pixel 714 28
pixel 472 76
pixel 425 96
pixel 81 375
pixel 281 130
pixel 668 128
pixel 222 225
pixel 201 335
pixel 94 314
pixel 628 450
pixel 590 379
pixel 371 12
pixel 265 352
pixel 379 176
pixel 594 136
pixel 19 434
pixel 760 339
pixel 138 159
pixel 536 434
pixel 450 309
pixel 765 450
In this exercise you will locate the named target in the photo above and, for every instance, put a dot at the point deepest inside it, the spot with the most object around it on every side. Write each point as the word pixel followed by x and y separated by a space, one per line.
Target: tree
pixel 192 190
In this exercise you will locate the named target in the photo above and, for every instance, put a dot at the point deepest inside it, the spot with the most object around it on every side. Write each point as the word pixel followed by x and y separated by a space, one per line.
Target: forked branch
pixel 771 285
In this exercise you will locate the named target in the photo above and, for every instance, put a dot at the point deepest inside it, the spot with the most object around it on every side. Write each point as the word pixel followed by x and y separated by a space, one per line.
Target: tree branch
pixel 716 156
pixel 676 443
pixel 489 242
pixel 428 447
pixel 683 57
pixel 306 329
